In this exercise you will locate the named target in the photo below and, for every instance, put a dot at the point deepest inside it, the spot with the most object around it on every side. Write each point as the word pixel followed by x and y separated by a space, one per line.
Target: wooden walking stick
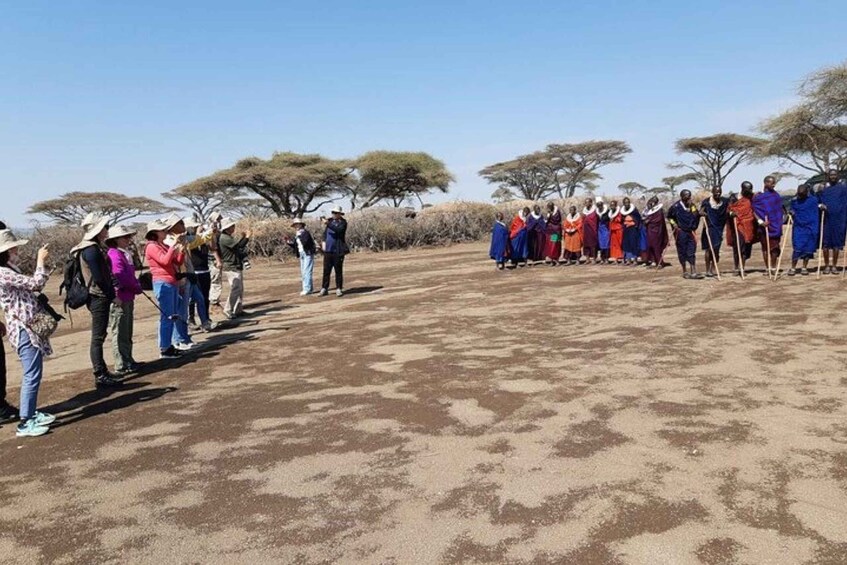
pixel 767 244
pixel 712 249
pixel 738 247
pixel 820 243
pixel 784 241
pixel 844 253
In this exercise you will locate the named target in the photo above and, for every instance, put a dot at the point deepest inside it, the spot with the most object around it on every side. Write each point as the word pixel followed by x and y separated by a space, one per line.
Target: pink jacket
pixel 163 262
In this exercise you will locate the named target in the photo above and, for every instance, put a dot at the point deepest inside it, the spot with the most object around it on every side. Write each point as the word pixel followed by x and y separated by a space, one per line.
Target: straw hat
pixel 9 241
pixel 119 231
pixel 172 221
pixel 215 216
pixel 226 224
pixel 337 210
pixel 298 221
pixel 89 220
pixel 95 228
pixel 155 225
pixel 190 223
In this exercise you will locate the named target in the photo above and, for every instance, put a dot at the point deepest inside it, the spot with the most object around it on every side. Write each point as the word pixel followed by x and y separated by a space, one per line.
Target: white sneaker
pixel 304 293
pixel 339 292
pixel 185 346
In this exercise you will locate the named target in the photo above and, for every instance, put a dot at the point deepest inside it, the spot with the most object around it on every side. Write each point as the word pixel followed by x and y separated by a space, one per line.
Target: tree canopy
pixel 396 176
pixel 716 156
pixel 204 196
pixel 72 207
pixel 630 188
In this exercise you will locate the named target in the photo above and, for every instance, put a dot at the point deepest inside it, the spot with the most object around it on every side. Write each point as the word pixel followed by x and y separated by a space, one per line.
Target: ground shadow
pixel 362 290
pixel 115 402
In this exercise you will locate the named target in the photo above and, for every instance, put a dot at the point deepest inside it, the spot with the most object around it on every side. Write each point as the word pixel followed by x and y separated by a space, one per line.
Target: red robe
pixel 616 236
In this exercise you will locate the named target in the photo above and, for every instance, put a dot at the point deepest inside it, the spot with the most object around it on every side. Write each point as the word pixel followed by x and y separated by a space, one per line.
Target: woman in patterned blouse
pixel 18 298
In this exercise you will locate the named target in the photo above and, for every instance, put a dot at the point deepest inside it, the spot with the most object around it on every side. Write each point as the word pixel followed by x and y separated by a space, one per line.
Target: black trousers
pixel 333 261
pixel 204 281
pixel 99 308
pixel 2 372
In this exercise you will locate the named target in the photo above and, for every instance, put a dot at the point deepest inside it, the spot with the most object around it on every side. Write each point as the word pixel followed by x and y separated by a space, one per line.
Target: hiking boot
pixel 8 413
pixel 134 367
pixel 169 353
pixel 30 429
pixel 107 381
pixel 323 292
pixel 43 419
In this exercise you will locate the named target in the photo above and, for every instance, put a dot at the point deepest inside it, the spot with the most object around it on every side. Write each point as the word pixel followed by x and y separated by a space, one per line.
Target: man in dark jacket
pixel 335 248
pixel 97 272
pixel 8 412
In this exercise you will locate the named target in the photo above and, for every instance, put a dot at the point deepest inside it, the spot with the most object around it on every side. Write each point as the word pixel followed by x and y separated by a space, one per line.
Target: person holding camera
pixel 215 261
pixel 19 299
pixel 335 248
pixel 304 247
pixel 233 251
pixel 164 262
pixel 185 278
pixel 127 288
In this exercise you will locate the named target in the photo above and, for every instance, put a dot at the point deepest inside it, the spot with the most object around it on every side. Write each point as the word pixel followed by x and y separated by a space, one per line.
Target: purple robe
pixel 537 230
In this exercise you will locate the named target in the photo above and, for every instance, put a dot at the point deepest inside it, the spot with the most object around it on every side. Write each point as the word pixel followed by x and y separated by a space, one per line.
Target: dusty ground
pixel 444 412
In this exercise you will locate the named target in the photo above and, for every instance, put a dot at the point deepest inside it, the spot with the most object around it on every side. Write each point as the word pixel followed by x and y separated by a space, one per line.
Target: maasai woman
pixel 657 232
pixel 804 235
pixel 519 238
pixel 631 232
pixel 499 242
pixel 536 231
pixel 590 227
pixel 603 235
pixel 573 236
pixel 615 232
pixel 553 242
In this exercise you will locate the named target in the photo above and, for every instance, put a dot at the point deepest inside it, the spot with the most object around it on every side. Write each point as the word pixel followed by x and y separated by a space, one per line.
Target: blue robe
pixel 806 230
pixel 604 236
pixel 499 242
pixel 687 220
pixel 835 220
pixel 519 244
pixel 632 235
pixel 715 222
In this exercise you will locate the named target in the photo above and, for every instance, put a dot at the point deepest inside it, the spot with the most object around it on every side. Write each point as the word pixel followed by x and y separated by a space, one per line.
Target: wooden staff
pixel 844 269
pixel 782 251
pixel 767 245
pixel 738 246
pixel 820 243
pixel 712 248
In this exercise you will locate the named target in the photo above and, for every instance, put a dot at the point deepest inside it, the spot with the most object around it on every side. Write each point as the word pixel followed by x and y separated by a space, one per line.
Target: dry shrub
pixel 61 239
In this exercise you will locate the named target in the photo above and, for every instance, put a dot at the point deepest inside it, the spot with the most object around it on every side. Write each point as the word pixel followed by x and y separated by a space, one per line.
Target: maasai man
pixel 499 242
pixel 657 232
pixel 685 219
pixel 590 227
pixel 741 214
pixel 631 232
pixel 519 238
pixel 767 206
pixel 716 211
pixel 834 204
pixel 805 213
pixel 553 241
pixel 603 235
pixel 536 231
pixel 615 232
pixel 573 236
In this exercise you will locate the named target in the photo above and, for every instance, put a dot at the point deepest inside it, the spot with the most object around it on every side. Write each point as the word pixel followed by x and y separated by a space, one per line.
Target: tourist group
pixel 186 262
pixel 621 234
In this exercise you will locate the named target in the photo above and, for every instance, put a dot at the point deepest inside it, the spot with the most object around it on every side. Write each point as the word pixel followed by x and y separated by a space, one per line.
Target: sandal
pixel 686 275
pixel 792 271
pixel 804 271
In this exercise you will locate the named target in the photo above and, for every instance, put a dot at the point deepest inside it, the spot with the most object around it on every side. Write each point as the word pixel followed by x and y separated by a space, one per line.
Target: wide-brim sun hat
pixel 215 216
pixel 89 220
pixel 95 229
pixel 226 224
pixel 337 210
pixel 172 221
pixel 190 223
pixel 9 241
pixel 155 225
pixel 119 231
pixel 298 221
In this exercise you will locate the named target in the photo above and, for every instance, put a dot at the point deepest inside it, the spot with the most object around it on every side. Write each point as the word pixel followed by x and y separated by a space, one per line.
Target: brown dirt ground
pixel 443 412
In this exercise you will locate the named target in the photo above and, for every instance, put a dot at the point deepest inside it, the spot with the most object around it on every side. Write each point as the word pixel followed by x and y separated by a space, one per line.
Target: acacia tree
pixel 631 187
pixel 202 197
pixel 73 207
pixel 528 176
pixel 396 176
pixel 824 95
pixel 502 195
pixel 670 184
pixel 292 184
pixel 573 164
pixel 716 156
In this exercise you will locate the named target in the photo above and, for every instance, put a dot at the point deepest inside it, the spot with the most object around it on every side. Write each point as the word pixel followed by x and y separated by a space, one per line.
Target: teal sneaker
pixel 31 429
pixel 43 419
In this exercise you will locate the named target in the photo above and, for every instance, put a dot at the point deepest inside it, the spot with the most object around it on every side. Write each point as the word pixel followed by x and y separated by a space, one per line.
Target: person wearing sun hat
pixel 164 262
pixel 215 261
pixel 304 247
pixel 197 262
pixel 96 269
pixel 19 300
pixel 232 255
pixel 335 248
pixel 127 288
pixel 175 227
pixel 8 412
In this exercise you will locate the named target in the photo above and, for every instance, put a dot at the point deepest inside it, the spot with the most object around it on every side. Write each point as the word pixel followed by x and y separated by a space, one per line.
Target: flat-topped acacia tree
pixel 716 156
pixel 73 207
pixel 395 177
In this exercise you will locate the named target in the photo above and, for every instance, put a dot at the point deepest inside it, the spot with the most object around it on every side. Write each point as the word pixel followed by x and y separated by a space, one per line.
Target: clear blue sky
pixel 138 97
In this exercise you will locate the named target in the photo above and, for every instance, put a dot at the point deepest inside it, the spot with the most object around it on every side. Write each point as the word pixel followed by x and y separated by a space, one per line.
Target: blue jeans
pixel 32 361
pixel 180 333
pixel 166 296
pixel 197 298
pixel 307 265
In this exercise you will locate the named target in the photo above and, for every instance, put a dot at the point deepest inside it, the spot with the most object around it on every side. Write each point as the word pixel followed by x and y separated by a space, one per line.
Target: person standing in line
pixel 603 233
pixel 8 412
pixel 127 288
pixel 573 236
pixel 519 238
pixel 806 229
pixel 215 261
pixel 164 261
pixel 305 249
pixel 685 219
pixel 19 300
pixel 97 272
pixel 715 210
pixel 590 231
pixel 499 250
pixel 741 217
pixel 198 247
pixel 185 273
pixel 833 200
pixel 615 233
pixel 232 253
pixel 657 233
pixel 537 229
pixel 767 206
pixel 631 232
pixel 335 248
pixel 553 230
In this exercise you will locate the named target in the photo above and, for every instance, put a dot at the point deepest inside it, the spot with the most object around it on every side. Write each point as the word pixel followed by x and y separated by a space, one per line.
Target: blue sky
pixel 138 97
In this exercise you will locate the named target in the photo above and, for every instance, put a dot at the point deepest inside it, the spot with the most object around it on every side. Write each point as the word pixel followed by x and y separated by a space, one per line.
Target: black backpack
pixel 76 290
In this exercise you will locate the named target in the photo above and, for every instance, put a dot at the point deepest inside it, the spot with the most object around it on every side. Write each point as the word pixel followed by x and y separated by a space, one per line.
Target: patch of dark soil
pixel 653 516
pixel 587 438
pixel 719 551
